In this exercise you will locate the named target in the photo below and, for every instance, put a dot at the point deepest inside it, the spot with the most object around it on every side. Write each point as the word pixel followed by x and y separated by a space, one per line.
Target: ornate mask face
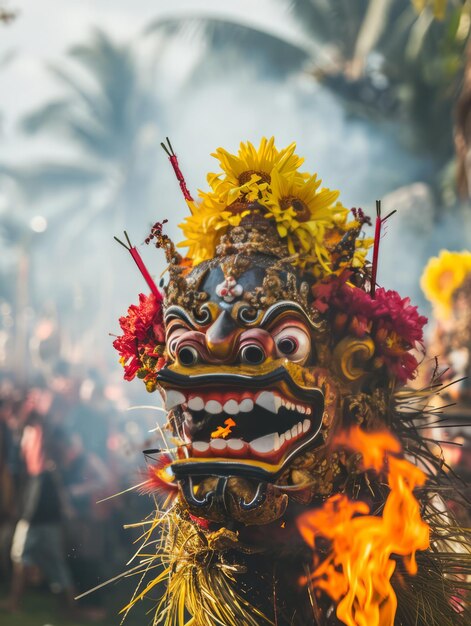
pixel 242 388
pixel 269 345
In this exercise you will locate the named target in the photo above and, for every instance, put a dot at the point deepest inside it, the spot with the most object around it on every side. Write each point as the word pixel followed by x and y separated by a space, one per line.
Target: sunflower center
pixel 239 206
pixel 246 176
pixel 301 209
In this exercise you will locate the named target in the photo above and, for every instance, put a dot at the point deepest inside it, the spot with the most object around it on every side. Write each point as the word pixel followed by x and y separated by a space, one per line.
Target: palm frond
pixel 257 44
pixel 35 181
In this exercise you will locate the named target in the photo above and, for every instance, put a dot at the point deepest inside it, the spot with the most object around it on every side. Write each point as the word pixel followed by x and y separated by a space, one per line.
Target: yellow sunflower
pixel 204 227
pixel 247 175
pixel 307 216
pixel 442 276
pixel 304 214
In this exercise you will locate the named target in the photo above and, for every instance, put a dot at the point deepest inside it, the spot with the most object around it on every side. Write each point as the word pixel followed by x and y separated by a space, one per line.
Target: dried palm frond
pixel 199 577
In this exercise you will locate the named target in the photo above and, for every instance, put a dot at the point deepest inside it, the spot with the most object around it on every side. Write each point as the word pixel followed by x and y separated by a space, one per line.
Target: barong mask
pixel 254 381
pixel 279 363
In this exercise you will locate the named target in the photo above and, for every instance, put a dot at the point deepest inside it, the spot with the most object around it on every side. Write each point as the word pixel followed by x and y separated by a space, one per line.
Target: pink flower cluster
pixel 141 347
pixel 391 321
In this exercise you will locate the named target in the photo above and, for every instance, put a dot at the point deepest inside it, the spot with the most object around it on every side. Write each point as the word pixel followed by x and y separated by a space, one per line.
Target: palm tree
pixel 107 116
pixel 383 58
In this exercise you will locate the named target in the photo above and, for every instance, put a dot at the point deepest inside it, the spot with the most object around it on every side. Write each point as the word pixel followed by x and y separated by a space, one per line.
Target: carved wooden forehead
pixel 258 280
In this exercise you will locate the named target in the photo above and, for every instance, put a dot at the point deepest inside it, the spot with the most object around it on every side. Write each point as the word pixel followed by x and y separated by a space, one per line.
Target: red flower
pixel 141 347
pixel 392 322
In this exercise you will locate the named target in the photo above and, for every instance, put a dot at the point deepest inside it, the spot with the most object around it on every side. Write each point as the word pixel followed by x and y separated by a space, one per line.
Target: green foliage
pixel 419 56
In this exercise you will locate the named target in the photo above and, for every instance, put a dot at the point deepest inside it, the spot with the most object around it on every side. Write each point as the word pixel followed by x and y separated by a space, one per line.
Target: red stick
pixel 145 273
pixel 374 267
pixel 378 225
pixel 176 168
pixel 172 157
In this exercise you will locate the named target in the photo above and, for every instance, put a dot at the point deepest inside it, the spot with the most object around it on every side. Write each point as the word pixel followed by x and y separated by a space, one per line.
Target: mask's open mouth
pixel 241 424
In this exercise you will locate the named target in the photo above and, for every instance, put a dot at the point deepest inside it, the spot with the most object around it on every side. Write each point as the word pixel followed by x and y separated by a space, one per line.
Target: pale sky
pixel 44 29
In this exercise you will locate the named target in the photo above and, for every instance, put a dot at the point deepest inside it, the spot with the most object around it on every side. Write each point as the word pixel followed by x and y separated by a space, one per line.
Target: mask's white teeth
pixel 196 403
pixel 200 448
pixel 237 448
pixel 306 425
pixel 300 428
pixel 277 442
pixel 294 431
pixel 235 444
pixel 246 405
pixel 231 407
pixel 308 411
pixel 282 439
pixel 173 398
pixel 218 446
pixel 213 406
pixel 263 445
pixel 288 435
pixel 268 401
pixel 301 409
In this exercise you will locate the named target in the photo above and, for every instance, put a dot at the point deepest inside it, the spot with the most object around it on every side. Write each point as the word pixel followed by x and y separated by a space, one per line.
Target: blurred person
pixel 37 541
pixel 91 416
pixel 65 392
pixel 7 486
pixel 86 479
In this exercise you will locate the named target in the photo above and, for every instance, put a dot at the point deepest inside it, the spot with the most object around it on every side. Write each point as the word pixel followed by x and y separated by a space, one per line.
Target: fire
pixel 357 571
pixel 224 431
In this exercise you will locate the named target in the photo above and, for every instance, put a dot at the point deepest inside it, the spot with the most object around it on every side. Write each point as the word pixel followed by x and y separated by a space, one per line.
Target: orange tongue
pixel 224 431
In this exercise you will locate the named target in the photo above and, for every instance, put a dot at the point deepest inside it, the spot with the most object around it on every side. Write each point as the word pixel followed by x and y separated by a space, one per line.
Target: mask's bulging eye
pixel 293 343
pixel 252 354
pixel 287 345
pixel 173 335
pixel 188 355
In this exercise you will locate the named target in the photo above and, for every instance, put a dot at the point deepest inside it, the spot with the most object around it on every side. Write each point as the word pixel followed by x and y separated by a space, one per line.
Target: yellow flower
pixel 361 250
pixel 306 214
pixel 442 276
pixel 308 217
pixel 247 176
pixel 203 228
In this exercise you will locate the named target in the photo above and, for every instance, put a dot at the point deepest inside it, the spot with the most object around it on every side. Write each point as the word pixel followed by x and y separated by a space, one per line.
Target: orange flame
pixel 356 573
pixel 224 431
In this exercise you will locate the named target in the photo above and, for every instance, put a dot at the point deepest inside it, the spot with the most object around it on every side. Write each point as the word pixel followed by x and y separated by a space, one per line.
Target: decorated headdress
pixel 280 361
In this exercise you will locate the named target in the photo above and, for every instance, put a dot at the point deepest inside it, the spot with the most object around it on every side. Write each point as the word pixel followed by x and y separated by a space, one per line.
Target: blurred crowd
pixel 64 446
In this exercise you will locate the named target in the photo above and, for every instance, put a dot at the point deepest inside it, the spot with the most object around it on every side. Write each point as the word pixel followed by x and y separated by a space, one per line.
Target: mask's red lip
pixel 241 424
pixel 263 426
pixel 265 469
pixel 233 401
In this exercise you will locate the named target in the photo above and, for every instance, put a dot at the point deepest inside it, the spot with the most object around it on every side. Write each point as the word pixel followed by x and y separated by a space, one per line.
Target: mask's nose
pixel 221 337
